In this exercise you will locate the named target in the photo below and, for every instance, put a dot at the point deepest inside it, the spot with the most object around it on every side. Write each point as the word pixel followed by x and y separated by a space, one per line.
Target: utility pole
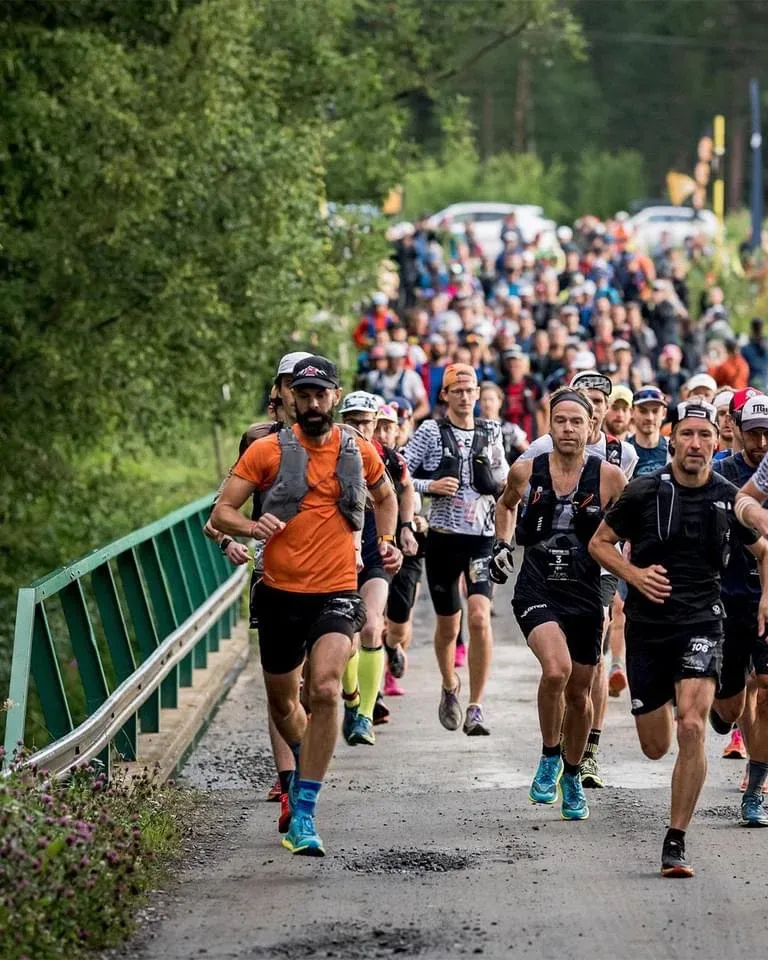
pixel 756 145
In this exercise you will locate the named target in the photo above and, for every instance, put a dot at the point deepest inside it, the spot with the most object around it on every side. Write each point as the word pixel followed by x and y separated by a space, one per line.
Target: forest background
pixel 165 166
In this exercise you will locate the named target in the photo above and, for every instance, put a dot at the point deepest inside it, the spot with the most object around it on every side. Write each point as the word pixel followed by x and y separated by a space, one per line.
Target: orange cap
pixel 460 373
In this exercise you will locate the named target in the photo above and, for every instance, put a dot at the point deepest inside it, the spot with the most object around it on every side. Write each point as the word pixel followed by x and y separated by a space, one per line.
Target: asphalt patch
pixel 411 861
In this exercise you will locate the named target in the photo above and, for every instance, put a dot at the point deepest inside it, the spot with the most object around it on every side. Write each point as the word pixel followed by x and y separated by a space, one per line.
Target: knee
pixel 554 677
pixel 577 699
pixel 690 731
pixel 370 635
pixel 478 620
pixel 282 706
pixel 324 694
pixel 653 749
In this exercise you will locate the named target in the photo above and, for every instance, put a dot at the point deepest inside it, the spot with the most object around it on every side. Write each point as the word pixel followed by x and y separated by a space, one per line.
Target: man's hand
pixel 408 542
pixel 445 487
pixel 391 558
pixel 420 523
pixel 237 553
pixel 652 582
pixel 502 563
pixel 266 526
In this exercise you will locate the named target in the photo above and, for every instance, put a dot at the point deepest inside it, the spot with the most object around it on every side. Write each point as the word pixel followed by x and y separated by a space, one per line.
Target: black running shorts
pixel 291 623
pixel 658 659
pixel 402 590
pixel 743 649
pixel 448 556
pixel 583 634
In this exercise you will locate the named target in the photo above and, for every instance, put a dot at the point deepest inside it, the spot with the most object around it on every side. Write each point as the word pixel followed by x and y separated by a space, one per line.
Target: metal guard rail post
pixel 139 615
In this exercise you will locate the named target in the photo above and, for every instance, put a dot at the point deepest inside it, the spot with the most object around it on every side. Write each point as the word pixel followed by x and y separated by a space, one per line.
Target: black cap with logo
pixel 696 409
pixel 315 372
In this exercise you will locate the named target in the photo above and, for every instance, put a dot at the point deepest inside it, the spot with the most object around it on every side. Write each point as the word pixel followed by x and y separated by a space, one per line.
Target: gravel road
pixel 434 850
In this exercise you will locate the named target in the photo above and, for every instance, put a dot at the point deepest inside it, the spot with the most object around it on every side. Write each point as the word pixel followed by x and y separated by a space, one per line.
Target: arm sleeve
pixel 760 477
pixel 622 517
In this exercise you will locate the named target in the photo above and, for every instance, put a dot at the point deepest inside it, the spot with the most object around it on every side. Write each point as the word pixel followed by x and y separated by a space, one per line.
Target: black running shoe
pixel 380 711
pixel 717 723
pixel 396 660
pixel 674 862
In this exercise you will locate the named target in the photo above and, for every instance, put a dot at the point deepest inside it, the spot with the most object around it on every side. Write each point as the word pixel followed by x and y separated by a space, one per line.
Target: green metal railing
pixel 113 636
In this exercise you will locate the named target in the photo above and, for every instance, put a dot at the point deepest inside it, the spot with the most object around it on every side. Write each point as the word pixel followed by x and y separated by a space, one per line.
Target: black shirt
pixel 691 554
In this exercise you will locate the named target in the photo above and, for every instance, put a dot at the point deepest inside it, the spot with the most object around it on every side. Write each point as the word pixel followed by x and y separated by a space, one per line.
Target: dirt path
pixel 434 850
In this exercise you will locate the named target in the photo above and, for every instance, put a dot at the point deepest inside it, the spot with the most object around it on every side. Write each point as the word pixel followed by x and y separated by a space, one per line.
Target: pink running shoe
pixel 460 656
pixel 735 749
pixel 391 687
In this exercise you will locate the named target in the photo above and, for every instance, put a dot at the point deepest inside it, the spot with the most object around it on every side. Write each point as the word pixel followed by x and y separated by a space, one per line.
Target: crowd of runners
pixel 569 411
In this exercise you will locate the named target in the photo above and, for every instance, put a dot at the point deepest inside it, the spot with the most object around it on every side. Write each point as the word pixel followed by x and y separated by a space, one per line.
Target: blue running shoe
pixel 348 723
pixel 302 839
pixel 753 812
pixel 574 805
pixel 544 786
pixel 362 731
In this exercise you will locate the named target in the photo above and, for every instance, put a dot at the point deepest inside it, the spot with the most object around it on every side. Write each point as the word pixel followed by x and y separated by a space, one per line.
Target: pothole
pixel 360 944
pixel 410 861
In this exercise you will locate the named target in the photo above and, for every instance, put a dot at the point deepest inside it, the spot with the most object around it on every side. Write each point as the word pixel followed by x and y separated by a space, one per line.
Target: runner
pixel 679 523
pixel 362 678
pixel 743 649
pixel 459 462
pixel 598 388
pixel 402 590
pixel 282 410
pixel 557 598
pixel 313 479
pixel 618 418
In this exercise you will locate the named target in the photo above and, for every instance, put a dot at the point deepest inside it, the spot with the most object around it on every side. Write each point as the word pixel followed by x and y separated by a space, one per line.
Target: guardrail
pixel 108 640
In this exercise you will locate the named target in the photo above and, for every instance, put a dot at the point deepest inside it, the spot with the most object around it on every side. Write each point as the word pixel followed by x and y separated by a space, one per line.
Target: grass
pixel 78 857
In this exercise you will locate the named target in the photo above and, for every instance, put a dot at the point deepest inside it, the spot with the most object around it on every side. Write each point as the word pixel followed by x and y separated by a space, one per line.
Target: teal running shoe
pixel 302 839
pixel 574 806
pixel 362 731
pixel 544 786
pixel 348 723
pixel 753 812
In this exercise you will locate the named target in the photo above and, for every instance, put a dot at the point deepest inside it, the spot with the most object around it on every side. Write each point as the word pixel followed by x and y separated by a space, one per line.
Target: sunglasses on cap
pixel 649 395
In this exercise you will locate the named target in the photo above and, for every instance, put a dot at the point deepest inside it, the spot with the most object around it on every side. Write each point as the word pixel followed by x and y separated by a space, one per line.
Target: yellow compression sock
pixel 349 681
pixel 371 673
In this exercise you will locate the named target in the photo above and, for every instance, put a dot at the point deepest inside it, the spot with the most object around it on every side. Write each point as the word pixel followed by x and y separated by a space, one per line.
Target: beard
pixel 314 424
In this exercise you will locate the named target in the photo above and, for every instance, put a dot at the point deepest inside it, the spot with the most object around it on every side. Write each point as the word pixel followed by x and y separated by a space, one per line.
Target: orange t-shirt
pixel 315 551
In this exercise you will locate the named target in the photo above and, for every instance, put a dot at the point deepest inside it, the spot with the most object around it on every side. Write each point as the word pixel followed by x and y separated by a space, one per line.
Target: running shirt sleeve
pixel 624 515
pixel 260 462
pixel 629 459
pixel 424 450
pixel 760 476
pixel 542 444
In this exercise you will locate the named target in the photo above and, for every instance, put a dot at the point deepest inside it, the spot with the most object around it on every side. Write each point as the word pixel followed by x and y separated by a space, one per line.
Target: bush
pixel 459 175
pixel 78 857
pixel 607 182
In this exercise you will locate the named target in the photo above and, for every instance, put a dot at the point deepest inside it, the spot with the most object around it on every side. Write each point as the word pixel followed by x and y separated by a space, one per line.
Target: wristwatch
pixel 386 538
pixel 408 525
pixel 225 543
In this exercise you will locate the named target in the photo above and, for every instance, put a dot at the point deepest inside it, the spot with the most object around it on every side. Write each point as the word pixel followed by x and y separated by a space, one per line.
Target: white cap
pixel 289 361
pixel 379 299
pixel 754 413
pixel 564 234
pixel 723 399
pixel 584 360
pixel 359 402
pixel 702 380
pixel 397 349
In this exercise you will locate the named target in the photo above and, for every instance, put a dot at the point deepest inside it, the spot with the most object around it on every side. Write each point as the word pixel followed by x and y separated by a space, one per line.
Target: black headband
pixel 574 397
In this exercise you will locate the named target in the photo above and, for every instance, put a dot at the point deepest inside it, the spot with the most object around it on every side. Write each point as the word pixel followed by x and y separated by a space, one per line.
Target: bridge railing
pixel 107 641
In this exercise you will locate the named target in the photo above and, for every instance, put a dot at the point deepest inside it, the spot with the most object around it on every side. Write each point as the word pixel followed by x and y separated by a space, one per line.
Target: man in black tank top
pixel 557 595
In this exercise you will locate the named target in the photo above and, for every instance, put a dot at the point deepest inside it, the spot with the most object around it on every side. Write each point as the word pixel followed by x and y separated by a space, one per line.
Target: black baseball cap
pixel 694 408
pixel 314 371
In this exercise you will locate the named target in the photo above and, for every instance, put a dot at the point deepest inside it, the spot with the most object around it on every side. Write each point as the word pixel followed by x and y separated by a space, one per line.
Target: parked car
pixel 488 218
pixel 678 223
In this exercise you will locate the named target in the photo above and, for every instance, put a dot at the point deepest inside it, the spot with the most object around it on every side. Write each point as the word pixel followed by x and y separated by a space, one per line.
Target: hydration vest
pixel 715 535
pixel 535 522
pixel 480 471
pixel 394 464
pixel 283 499
pixel 612 450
